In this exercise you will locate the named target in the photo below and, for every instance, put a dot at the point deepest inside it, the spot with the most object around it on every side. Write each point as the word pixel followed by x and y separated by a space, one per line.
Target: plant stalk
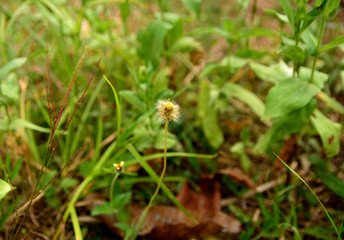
pixel 145 211
pixel 320 36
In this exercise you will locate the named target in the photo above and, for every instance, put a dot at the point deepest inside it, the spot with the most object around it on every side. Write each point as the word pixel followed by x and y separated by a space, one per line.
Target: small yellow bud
pixel 119 166
pixel 167 110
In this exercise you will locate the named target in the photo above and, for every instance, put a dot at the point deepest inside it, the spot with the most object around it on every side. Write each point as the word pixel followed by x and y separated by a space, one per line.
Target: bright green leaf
pixel 273 74
pixel 4 188
pixel 235 90
pixel 194 6
pixel 185 44
pixel 287 96
pixel 11 65
pixel 319 78
pixel 334 43
pixel 281 17
pixel 329 132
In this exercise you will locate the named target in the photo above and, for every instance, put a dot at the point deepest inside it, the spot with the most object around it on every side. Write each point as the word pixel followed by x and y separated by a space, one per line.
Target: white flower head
pixel 168 110
pixel 119 166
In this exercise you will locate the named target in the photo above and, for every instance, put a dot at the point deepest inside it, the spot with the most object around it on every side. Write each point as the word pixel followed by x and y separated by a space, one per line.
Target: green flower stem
pixel 295 63
pixel 112 186
pixel 145 211
pixel 320 36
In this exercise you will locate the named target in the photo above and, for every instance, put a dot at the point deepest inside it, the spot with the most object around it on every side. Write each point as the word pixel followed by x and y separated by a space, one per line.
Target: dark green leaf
pixel 152 41
pixel 208 115
pixel 294 53
pixel 331 182
pixel 284 126
pixel 194 6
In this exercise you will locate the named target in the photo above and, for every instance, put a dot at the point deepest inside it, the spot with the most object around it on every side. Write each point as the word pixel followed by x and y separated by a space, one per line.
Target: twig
pixel 260 189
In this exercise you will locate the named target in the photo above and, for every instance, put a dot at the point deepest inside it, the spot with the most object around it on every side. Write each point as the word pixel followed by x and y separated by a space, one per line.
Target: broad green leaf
pixel 161 82
pixel 273 74
pixel 10 91
pixel 333 183
pixel 235 90
pixel 284 126
pixel 233 63
pixel 194 6
pixel 290 12
pixel 319 78
pixel 175 30
pixel 294 53
pixel 124 8
pixel 281 17
pixel 160 140
pixel 211 30
pixel 208 115
pixel 105 208
pixel 332 7
pixel 211 128
pixel 4 188
pixel 15 123
pixel 152 41
pixel 287 96
pixel 331 102
pixel 185 44
pixel 310 40
pixel 334 43
pixel 11 65
pixel 132 98
pixel 318 3
pixel 329 132
pixel 256 32
pixel 229 25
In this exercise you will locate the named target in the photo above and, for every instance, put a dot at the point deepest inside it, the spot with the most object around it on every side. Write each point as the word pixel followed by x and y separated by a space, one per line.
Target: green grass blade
pixel 164 188
pixel 75 222
pixel 323 207
pixel 118 105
